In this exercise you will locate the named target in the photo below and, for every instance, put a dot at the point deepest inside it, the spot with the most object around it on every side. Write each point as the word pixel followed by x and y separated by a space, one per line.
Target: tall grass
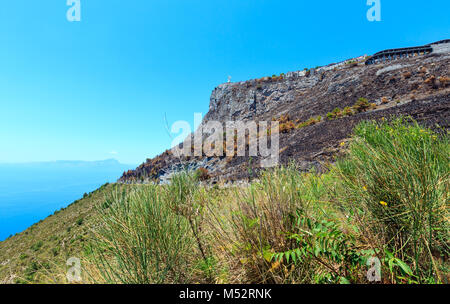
pixel 260 220
pixel 141 240
pixel 398 173
pixel 387 198
pixel 184 198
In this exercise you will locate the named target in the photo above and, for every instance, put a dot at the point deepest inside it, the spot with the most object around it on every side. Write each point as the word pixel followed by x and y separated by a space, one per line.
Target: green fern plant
pixel 324 242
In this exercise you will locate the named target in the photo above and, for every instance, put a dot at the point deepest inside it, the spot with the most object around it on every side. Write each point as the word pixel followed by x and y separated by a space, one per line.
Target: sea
pixel 29 192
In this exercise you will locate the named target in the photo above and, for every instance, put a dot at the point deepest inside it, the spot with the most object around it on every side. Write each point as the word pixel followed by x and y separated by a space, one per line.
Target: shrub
pixel 397 174
pixel 55 251
pixel 444 80
pixel 432 82
pixel 182 195
pixel 407 75
pixel 286 127
pixel 37 246
pixel 31 270
pixel 286 124
pixel 388 198
pixel 331 115
pixel 325 243
pixel 202 174
pixel 309 122
pixel 352 63
pixel 337 112
pixel 257 226
pixel 154 246
pixel 361 105
pixel 347 111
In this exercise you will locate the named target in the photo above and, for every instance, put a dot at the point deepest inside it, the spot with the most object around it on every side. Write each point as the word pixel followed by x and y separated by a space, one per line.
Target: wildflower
pixel 383 203
pixel 364 188
pixel 342 144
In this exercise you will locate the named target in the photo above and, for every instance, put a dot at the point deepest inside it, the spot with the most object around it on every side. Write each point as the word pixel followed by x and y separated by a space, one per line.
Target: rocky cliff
pixel 317 110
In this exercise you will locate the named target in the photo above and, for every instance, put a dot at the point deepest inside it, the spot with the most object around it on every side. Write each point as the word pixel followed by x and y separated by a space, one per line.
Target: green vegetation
pixel 309 122
pixel 361 105
pixel 386 199
pixel 399 174
pixel 142 239
pixel 37 246
pixel 39 254
pixel 202 174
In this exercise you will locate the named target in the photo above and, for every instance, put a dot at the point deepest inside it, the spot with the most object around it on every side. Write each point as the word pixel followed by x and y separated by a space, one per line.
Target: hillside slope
pixel 417 86
pixel 39 254
pixel 316 110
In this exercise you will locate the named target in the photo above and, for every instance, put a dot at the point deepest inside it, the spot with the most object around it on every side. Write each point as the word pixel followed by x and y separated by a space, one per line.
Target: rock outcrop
pixel 317 110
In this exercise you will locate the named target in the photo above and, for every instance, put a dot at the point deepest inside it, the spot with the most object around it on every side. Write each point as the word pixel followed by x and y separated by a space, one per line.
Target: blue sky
pixel 100 88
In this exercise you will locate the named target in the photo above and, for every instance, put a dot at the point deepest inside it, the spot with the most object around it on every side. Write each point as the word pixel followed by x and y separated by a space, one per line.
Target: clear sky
pixel 100 88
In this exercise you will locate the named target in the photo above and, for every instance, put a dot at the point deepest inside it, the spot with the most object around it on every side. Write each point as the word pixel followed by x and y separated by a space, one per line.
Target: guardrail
pixel 394 54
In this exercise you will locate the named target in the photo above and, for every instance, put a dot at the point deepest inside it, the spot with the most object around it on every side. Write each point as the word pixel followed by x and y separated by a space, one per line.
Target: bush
pixel 347 111
pixel 258 226
pixel 287 127
pixel 388 198
pixel 331 116
pixel 31 270
pixel 361 105
pixel 202 174
pixel 142 240
pixel 336 113
pixel 397 174
pixel 55 250
pixel 444 80
pixel 37 246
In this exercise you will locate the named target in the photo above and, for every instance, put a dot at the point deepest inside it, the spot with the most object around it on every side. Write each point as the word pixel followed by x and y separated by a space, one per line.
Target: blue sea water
pixel 31 192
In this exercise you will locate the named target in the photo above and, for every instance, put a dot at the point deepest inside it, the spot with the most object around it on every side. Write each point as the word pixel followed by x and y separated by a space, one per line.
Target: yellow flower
pixel 383 203
pixel 342 144
pixel 365 188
